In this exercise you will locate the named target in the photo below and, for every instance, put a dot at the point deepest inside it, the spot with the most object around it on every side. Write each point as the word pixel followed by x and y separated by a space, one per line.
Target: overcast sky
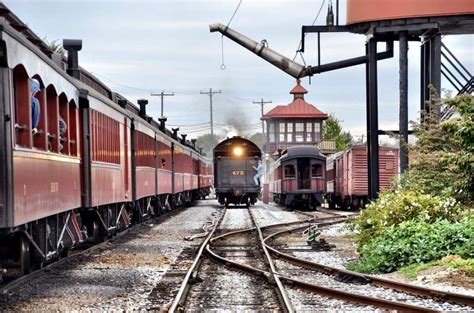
pixel 138 47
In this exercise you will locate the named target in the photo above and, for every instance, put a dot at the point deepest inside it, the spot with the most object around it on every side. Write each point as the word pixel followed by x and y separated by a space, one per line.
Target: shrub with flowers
pixel 395 207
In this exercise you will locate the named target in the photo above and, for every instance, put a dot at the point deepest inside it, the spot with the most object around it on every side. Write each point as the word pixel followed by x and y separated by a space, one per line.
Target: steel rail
pixel 374 280
pixel 192 271
pixel 339 219
pixel 333 293
pixel 284 299
pixel 356 298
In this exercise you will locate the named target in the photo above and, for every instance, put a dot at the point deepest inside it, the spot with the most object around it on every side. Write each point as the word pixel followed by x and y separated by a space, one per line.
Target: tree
pixel 443 156
pixel 204 142
pixel 332 130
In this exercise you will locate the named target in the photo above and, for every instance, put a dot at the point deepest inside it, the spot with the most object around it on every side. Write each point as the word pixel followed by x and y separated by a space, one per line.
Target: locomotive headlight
pixel 238 151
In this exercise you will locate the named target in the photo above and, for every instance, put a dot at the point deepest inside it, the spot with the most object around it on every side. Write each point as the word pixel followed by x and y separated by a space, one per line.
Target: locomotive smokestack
pixel 175 132
pixel 162 123
pixel 142 103
pixel 72 46
pixel 183 139
pixel 285 64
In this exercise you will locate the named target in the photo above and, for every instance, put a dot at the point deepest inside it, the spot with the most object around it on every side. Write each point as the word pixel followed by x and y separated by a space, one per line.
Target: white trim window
pixel 309 131
pixel 289 132
pixel 271 132
pixel 281 132
pixel 299 132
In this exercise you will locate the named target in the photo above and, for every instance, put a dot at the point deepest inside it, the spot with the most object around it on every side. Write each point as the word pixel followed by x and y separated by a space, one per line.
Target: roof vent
pixel 183 139
pixel 122 103
pixel 73 46
pixel 142 103
pixel 175 132
pixel 163 123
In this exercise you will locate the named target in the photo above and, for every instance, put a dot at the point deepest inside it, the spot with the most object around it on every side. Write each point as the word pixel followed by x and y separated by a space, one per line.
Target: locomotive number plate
pixel 237 173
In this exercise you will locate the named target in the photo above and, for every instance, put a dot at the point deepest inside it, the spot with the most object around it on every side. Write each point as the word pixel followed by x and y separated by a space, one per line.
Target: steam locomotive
pixel 94 163
pixel 235 162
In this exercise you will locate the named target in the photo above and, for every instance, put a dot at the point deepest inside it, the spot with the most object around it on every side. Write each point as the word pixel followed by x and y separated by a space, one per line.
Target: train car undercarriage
pixel 300 200
pixel 35 244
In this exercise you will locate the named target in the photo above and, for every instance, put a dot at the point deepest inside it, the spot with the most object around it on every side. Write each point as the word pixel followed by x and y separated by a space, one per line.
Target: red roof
pixel 299 108
pixel 298 89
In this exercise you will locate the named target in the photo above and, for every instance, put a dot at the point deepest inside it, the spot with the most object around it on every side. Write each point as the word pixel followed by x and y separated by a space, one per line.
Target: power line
pixel 314 21
pixel 162 94
pixel 185 125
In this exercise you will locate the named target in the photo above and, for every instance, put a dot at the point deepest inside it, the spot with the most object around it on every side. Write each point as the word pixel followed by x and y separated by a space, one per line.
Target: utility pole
pixel 262 103
pixel 211 93
pixel 162 94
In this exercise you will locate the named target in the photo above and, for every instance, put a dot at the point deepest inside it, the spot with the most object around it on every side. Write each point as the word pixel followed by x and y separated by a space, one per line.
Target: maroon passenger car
pixel 94 164
pixel 297 178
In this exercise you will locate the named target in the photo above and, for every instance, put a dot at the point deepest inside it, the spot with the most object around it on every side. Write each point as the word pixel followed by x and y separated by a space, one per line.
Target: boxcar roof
pixel 302 152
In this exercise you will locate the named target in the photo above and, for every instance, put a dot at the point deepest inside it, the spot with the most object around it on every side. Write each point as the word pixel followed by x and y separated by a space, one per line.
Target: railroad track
pixel 364 278
pixel 276 274
pixel 247 251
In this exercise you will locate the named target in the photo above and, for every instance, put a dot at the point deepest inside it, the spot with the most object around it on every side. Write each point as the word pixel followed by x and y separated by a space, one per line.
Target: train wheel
pixel 25 256
pixel 96 233
pixel 331 204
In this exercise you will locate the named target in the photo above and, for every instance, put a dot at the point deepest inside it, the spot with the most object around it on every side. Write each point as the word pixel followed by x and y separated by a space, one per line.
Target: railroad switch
pixel 312 233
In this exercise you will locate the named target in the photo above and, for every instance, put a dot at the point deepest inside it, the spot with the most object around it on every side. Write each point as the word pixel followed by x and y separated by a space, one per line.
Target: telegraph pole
pixel 211 93
pixel 162 94
pixel 262 103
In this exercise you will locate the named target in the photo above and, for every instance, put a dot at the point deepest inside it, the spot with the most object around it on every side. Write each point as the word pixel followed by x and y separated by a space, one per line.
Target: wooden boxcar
pixel 347 185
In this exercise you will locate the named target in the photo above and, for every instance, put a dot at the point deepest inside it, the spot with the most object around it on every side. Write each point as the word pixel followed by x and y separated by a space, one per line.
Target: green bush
pixel 395 207
pixel 419 219
pixel 416 241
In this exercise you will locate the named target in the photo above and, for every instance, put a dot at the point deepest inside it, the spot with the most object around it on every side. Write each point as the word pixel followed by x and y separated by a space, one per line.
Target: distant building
pixel 297 123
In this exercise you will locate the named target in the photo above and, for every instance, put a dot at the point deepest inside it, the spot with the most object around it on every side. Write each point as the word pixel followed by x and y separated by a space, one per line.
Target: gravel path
pixel 118 277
